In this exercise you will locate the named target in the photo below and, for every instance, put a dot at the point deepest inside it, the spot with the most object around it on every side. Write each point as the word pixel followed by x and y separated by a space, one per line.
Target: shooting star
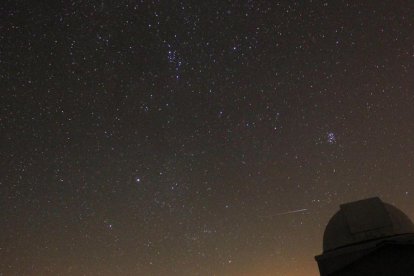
pixel 291 212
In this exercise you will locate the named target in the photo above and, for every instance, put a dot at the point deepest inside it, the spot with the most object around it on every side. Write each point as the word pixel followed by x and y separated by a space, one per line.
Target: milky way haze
pixel 197 137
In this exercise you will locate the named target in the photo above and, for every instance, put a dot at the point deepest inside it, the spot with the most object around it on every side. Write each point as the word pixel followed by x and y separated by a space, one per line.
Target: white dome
pixel 365 220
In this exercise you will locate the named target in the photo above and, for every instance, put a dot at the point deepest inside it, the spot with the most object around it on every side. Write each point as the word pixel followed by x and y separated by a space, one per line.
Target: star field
pixel 197 137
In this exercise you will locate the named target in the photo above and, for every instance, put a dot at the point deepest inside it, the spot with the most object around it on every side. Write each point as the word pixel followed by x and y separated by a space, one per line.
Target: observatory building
pixel 368 237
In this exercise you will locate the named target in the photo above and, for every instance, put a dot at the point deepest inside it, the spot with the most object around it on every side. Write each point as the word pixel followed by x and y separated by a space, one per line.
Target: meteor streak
pixel 291 212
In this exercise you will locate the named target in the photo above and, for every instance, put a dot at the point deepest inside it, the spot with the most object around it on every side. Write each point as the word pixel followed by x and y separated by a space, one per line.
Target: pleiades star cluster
pixel 210 137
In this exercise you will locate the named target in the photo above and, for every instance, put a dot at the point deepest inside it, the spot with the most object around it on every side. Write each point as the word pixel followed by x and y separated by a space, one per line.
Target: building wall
pixel 392 260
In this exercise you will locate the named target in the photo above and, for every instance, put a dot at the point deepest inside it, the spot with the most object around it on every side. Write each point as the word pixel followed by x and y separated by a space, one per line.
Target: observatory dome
pixel 365 220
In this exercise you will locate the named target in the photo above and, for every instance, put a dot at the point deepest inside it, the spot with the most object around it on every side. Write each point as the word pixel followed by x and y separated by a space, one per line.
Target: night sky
pixel 208 137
